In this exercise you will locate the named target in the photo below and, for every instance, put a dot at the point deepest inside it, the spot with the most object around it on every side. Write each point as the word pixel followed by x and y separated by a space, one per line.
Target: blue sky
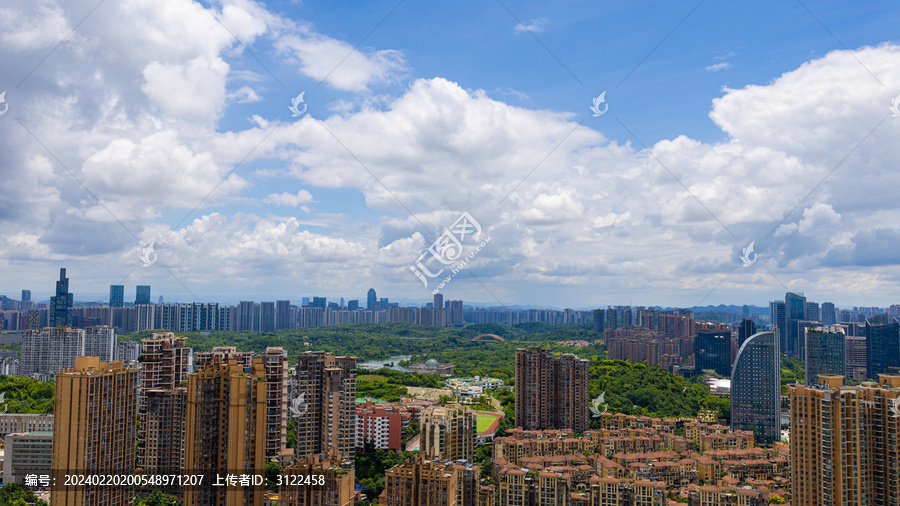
pixel 722 119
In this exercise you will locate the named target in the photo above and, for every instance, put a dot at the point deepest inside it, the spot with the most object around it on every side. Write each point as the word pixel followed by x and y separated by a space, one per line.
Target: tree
pixel 12 492
pixel 272 471
pixel 157 498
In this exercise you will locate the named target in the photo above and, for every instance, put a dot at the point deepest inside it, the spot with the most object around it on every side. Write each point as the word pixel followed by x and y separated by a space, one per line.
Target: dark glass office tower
pixel 712 350
pixel 747 329
pixel 825 352
pixel 883 345
pixel 61 304
pixel 371 300
pixel 142 294
pixel 116 295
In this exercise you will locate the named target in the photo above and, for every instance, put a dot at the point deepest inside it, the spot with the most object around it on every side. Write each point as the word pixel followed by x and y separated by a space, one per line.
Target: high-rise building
pixel 756 387
pixel 455 317
pixel 94 418
pixel 828 315
pixel 372 300
pixel 448 432
pixel 223 354
pixel 26 295
pixel 336 487
pixel 277 379
pixel 161 431
pixel 747 329
pixel 432 482
pixel 844 442
pixel 794 311
pixel 226 428
pixel 713 351
pixel 551 391
pixel 327 384
pixel 100 342
pixel 162 405
pixel 266 317
pixel 627 316
pixel 438 300
pixel 50 350
pixel 116 295
pixel 353 305
pixel 166 361
pixel 812 312
pixel 883 345
pixel 60 312
pixel 612 319
pixel 282 314
pixel 776 318
pixel 142 294
pixel 856 357
pixel 598 323
pixel 825 351
pixel 245 315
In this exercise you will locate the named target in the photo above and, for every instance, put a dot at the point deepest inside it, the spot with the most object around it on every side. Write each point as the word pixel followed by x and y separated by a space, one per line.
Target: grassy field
pixel 486 420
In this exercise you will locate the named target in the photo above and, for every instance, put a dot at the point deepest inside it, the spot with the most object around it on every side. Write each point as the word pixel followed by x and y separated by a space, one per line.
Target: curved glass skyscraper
pixel 756 388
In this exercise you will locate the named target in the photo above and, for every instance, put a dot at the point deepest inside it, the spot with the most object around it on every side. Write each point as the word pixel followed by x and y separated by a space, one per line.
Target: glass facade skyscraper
pixel 371 300
pixel 795 310
pixel 61 304
pixel 747 329
pixel 756 388
pixel 116 295
pixel 825 352
pixel 883 345
pixel 142 294
pixel 712 350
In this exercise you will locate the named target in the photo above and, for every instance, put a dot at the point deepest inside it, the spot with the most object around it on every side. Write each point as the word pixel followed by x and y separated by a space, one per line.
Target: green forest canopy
pixel 629 388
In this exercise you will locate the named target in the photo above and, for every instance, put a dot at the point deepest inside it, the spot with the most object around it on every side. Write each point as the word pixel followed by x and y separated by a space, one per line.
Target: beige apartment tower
pixel 160 446
pixel 162 403
pixel 226 431
pixel 425 481
pixel 551 391
pixel 327 393
pixel 276 363
pixel 448 432
pixel 845 442
pixel 336 488
pixel 94 430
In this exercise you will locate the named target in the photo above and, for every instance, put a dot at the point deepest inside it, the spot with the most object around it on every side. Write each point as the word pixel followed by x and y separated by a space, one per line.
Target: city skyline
pixel 371 296
pixel 733 152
